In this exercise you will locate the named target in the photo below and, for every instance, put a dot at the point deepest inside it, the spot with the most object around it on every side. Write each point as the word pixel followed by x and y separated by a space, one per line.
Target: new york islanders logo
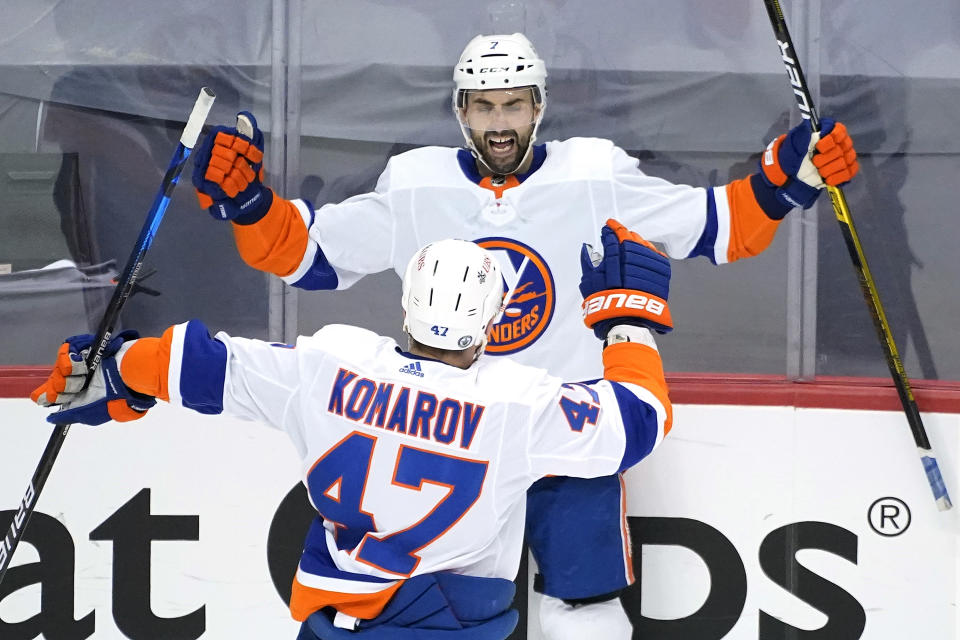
pixel 530 296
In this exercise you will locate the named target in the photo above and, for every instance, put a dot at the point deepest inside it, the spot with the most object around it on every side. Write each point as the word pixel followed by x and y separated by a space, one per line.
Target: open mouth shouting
pixel 502 150
pixel 502 146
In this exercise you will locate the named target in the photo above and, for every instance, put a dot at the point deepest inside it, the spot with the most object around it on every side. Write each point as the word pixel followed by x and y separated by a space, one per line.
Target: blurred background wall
pixel 94 93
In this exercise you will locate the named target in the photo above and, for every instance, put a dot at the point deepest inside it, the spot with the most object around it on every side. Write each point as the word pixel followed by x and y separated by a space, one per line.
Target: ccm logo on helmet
pixel 493 69
pixel 622 301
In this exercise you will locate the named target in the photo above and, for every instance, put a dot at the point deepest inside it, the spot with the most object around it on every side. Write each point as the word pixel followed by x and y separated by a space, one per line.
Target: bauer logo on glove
pixel 628 284
pixel 615 303
pixel 105 398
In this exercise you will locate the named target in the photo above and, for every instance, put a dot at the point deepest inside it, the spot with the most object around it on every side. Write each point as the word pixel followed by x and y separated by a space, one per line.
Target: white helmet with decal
pixel 500 62
pixel 504 62
pixel 452 289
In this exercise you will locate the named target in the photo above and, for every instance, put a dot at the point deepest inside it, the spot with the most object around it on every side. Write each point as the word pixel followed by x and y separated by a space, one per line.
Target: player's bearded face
pixel 500 123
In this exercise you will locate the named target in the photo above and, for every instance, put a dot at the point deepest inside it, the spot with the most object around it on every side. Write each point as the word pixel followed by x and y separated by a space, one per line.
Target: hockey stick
pixel 868 287
pixel 120 294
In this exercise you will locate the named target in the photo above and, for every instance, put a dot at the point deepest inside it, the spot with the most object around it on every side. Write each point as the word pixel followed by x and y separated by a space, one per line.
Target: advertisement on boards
pixel 748 522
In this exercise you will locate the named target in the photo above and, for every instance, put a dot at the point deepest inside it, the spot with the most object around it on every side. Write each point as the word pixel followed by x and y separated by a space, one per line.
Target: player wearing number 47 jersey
pixel 531 204
pixel 417 461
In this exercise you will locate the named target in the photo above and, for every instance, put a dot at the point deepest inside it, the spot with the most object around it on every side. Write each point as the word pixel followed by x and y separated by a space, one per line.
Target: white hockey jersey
pixel 535 229
pixel 415 466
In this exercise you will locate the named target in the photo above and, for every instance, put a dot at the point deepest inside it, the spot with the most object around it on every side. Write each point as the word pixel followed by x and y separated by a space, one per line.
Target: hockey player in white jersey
pixel 417 461
pixel 530 204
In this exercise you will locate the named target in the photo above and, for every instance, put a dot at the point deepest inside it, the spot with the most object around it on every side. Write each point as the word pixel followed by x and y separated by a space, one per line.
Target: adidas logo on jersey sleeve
pixel 413 369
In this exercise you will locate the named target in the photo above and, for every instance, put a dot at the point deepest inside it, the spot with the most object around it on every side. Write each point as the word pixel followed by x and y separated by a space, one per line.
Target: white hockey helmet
pixel 500 62
pixel 452 289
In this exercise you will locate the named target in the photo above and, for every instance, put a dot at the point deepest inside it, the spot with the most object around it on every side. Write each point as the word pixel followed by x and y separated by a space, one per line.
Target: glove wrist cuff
pixel 797 193
pixel 258 210
pixel 630 333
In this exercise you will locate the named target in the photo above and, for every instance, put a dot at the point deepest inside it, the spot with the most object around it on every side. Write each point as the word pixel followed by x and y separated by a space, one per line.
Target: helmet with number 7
pixel 507 64
pixel 500 62
pixel 452 289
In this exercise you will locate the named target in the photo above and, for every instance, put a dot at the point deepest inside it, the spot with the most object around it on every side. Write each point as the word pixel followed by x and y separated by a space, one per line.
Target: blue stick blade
pixel 937 485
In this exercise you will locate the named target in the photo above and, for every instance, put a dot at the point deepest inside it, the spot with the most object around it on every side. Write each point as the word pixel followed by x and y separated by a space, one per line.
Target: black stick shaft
pixel 107 324
pixel 868 287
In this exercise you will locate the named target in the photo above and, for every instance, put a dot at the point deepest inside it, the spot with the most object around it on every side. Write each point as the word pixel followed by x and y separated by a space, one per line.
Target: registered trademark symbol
pixel 889 516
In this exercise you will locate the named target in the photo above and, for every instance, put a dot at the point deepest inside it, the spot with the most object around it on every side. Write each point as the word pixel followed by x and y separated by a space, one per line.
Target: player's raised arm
pixel 601 427
pixel 738 220
pixel 186 366
pixel 272 233
pixel 794 170
pixel 106 398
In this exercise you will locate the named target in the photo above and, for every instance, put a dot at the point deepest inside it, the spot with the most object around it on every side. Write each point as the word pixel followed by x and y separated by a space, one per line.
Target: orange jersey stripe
pixel 277 242
pixel 145 365
pixel 751 230
pixel 305 600
pixel 640 365
pixel 625 533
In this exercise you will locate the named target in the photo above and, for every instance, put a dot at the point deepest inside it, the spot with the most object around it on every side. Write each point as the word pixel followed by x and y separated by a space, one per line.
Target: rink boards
pixel 748 518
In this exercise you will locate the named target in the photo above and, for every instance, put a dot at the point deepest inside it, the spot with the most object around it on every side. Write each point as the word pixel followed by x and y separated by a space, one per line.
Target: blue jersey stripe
pixel 708 239
pixel 320 275
pixel 640 424
pixel 203 370
pixel 468 164
pixel 316 558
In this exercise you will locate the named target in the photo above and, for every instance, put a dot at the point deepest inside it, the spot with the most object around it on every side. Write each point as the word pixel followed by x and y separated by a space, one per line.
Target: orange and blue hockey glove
pixel 228 172
pixel 105 398
pixel 801 163
pixel 628 284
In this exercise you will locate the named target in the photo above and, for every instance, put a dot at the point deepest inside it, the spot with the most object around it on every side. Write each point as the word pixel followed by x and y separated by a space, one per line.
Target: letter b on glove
pixel 800 163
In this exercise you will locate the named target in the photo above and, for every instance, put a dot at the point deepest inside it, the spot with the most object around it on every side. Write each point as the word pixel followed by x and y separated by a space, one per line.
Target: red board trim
pixel 825 392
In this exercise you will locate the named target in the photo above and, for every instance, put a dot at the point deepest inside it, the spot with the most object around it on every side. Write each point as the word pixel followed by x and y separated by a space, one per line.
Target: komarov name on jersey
pixel 419 413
